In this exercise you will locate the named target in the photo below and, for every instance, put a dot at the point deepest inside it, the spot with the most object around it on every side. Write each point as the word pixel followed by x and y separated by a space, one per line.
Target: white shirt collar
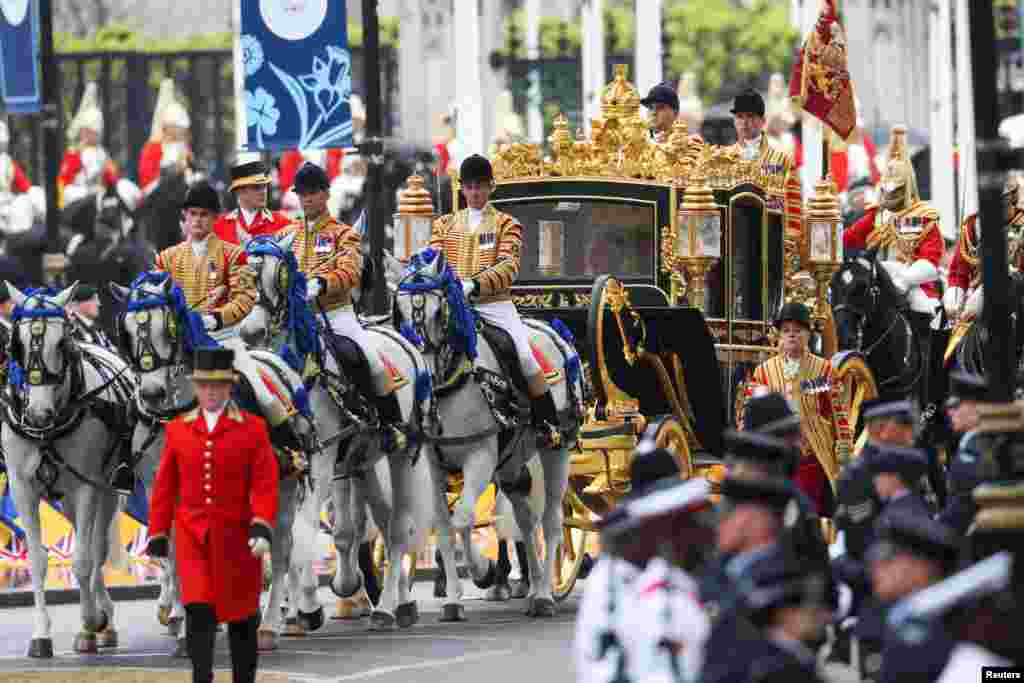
pixel 211 418
pixel 247 216
pixel 200 247
pixel 476 217
pixel 751 149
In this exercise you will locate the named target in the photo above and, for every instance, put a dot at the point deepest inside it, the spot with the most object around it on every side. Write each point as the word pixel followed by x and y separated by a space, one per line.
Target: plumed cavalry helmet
pixel 311 178
pixel 899 172
pixel 476 169
pixel 202 196
pixel 89 114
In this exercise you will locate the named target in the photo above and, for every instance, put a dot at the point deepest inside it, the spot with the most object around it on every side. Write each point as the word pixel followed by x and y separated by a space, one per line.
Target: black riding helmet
pixel 476 169
pixel 311 178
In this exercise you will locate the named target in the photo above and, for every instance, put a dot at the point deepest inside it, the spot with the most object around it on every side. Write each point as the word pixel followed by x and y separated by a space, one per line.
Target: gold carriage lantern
pixel 825 240
pixel 699 242
pixel 414 219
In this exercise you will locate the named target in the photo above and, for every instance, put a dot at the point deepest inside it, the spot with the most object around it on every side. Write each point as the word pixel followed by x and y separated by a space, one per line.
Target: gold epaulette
pixel 968 242
pixel 921 210
pixel 190 416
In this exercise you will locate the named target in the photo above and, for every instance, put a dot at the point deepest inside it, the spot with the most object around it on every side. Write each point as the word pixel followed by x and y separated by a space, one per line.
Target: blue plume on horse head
pixel 302 337
pixel 194 334
pixel 461 316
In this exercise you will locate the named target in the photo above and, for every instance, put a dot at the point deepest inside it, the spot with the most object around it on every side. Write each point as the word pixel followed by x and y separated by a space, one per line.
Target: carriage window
pixel 583 238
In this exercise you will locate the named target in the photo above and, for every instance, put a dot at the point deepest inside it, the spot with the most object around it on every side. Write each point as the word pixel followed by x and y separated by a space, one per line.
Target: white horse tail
pixel 118 557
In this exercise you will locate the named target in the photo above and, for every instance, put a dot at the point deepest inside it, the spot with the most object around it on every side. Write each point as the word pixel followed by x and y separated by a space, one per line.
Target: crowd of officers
pixel 741 583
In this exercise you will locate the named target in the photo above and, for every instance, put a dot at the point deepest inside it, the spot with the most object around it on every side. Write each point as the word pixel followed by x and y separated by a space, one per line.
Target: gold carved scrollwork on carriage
pixel 534 300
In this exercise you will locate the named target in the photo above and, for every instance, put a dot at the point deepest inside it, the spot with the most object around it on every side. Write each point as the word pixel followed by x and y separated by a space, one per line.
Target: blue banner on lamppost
pixel 297 72
pixel 19 56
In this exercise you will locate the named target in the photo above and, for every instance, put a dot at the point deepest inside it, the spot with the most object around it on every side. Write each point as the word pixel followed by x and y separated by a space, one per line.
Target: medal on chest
pixel 323 244
pixel 212 269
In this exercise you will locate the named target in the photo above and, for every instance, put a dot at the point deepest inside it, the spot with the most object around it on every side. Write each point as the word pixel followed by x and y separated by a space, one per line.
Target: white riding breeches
pixel 344 322
pixel 503 314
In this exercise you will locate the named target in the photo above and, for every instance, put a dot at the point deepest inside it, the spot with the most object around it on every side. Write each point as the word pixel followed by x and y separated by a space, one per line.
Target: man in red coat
pixel 249 182
pixel 218 482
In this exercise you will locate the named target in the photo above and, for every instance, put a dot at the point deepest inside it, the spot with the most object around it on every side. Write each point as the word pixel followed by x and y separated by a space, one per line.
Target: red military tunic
pixel 149 165
pixel 12 178
pixel 916 237
pixel 265 222
pixel 213 487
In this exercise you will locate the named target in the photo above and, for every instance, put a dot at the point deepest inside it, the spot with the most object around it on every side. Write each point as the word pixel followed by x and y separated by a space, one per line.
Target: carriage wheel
pixel 572 560
pixel 381 563
pixel 667 433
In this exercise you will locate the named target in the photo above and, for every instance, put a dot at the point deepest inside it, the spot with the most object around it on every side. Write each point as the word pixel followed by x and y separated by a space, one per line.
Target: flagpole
pixel 53 260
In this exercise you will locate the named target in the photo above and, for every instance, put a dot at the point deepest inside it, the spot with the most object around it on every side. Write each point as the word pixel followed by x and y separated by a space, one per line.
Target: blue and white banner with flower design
pixel 297 75
pixel 19 56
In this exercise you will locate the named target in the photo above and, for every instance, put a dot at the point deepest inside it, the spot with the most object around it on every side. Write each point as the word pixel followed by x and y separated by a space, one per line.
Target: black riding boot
pixel 524 565
pixel 545 421
pixel 201 636
pixel 122 479
pixel 244 653
pixel 392 438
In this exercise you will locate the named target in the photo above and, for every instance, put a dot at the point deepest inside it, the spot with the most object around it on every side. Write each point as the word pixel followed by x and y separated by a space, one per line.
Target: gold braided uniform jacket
pixel 328 249
pixel 211 282
pixel 489 255
pixel 819 401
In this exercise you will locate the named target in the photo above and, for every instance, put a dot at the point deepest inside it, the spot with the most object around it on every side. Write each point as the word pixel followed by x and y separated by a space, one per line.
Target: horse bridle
pixel 145 357
pixel 434 289
pixel 277 312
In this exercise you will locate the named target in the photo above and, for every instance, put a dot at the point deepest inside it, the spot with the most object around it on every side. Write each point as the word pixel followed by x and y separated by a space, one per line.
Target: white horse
pixel 430 308
pixel 395 488
pixel 56 444
pixel 156 332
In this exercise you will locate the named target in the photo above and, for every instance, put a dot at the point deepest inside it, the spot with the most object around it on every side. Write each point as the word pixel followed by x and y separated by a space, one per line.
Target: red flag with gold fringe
pixel 820 82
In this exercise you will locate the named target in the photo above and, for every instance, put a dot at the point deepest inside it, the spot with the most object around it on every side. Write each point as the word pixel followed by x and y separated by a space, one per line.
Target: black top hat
pixel 651 467
pixel 901 411
pixel 759 447
pixel 201 195
pixel 311 178
pixel 782 580
pixel 966 386
pixel 770 414
pixel 914 533
pixel 213 364
pixel 83 292
pixel 770 493
pixel 247 174
pixel 476 169
pixel 796 312
pixel 908 462
pixel 748 102
pixel 663 93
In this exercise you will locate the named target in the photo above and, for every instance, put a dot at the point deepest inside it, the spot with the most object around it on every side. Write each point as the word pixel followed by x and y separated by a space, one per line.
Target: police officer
pixel 783 612
pixel 600 649
pixel 895 473
pixel 218 486
pixel 911 553
pixel 965 469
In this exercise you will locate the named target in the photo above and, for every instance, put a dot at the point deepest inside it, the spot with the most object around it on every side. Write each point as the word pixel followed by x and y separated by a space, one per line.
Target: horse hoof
pixel 381 620
pixel 355 607
pixel 498 593
pixel 520 589
pixel 453 612
pixel 407 614
pixel 174 626
pixel 106 638
pixel 163 615
pixel 541 607
pixel 344 593
pixel 312 621
pixel 41 648
pixel 180 649
pixel 488 580
pixel 98 625
pixel 293 629
pixel 85 643
pixel 266 641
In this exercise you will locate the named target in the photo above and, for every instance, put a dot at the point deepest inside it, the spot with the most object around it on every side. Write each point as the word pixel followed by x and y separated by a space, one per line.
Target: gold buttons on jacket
pixel 209 501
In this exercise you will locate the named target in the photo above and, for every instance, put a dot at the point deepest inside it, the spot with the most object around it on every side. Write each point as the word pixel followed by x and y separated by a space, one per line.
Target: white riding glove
pixel 975 302
pixel 953 301
pixel 209 322
pixel 259 547
pixel 469 288
pixel 313 288
pixel 897 272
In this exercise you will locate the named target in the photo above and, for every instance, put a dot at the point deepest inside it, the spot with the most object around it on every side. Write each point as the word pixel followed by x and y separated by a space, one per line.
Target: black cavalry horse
pixel 970 352
pixel 872 317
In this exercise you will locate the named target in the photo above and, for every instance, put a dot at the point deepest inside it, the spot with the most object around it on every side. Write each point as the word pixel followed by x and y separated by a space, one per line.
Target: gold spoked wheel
pixel 667 433
pixel 572 561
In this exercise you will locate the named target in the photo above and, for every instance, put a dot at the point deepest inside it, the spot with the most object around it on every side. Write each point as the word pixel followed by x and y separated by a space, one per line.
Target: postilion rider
pixel 806 382
pixel 252 218
pixel 483 247
pixel 218 485
pixel 328 253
